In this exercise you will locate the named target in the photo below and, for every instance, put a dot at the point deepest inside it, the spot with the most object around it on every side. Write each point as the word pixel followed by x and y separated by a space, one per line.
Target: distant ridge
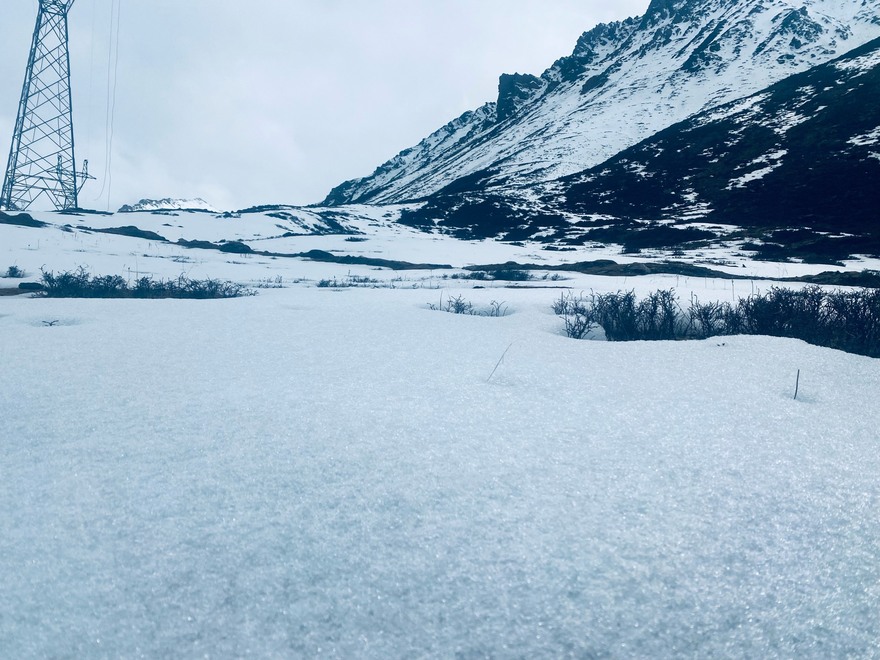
pixel 196 204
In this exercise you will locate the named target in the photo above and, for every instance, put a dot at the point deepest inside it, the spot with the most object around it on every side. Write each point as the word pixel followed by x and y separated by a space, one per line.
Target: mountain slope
pixel 624 82
pixel 803 155
pixel 804 152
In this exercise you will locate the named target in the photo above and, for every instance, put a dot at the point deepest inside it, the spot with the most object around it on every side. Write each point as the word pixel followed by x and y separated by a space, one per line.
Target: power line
pixel 113 105
pixel 110 109
pixel 90 107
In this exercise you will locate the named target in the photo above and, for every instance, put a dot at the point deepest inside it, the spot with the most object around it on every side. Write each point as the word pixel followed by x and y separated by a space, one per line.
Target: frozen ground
pixel 65 245
pixel 332 473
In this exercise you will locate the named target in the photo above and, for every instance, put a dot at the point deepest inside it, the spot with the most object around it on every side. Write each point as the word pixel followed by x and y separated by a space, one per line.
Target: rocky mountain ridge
pixel 794 166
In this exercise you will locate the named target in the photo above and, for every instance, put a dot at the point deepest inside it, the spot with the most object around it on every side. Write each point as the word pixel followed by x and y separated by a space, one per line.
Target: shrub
pixel 501 275
pixel 845 320
pixel 657 316
pixel 276 282
pixel 577 313
pixel 512 275
pixel 349 282
pixel 80 284
pixel 712 319
pixel 458 305
pixel 14 272
pixel 496 309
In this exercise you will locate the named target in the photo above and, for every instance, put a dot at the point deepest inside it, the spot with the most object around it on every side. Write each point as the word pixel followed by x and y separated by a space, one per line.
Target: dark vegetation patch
pixel 491 216
pixel 321 255
pixel 844 320
pixel 350 282
pixel 634 239
pixel 500 274
pixel 198 245
pixel 20 220
pixel 869 279
pixel 81 284
pixel 334 222
pixel 811 247
pixel 511 275
pixel 84 212
pixel 235 247
pixel 130 231
pixel 611 268
pixel 267 208
pixel 282 215
pixel 231 247
pixel 607 267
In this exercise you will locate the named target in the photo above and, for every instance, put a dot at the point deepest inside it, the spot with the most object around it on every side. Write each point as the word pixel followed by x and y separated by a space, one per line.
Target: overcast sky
pixel 266 101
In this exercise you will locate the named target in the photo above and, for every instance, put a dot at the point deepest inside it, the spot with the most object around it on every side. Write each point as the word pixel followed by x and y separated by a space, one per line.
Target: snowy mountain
pixel 803 155
pixel 624 82
pixel 804 152
pixel 169 204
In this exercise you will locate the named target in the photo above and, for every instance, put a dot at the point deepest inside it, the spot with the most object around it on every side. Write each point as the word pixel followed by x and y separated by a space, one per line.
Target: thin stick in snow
pixel 498 364
pixel 797 385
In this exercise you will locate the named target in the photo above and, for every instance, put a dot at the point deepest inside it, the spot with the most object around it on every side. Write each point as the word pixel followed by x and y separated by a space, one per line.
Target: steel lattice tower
pixel 41 160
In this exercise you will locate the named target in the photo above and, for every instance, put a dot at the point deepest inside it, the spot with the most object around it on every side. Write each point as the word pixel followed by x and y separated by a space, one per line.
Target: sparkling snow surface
pixel 317 472
pixel 322 473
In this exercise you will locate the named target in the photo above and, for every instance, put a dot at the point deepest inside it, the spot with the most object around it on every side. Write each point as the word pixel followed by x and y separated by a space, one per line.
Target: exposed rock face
pixel 515 91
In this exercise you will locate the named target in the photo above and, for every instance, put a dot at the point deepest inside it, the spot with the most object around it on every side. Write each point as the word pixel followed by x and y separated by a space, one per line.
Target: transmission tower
pixel 41 160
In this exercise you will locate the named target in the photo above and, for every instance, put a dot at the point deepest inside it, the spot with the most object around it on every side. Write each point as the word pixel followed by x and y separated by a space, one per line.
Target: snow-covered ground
pixel 320 472
pixel 375 234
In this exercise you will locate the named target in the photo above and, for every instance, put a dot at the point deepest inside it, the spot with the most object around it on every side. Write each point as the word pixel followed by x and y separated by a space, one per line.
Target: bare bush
pixel 709 319
pixel 80 284
pixel 846 320
pixel 459 305
pixel 496 309
pixel 577 313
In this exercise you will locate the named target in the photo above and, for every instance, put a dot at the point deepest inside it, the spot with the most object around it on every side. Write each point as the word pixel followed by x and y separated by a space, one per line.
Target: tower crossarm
pixel 56 6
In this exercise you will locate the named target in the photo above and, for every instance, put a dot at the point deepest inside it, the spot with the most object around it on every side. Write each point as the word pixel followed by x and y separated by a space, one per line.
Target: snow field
pixel 56 250
pixel 327 473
